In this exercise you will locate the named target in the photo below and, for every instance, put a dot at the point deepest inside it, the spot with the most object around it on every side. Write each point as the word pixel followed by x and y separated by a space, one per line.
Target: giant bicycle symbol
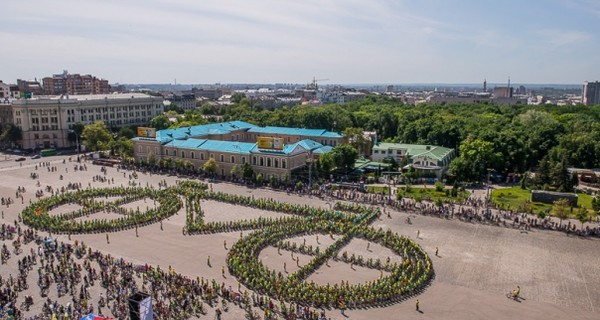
pixel 407 275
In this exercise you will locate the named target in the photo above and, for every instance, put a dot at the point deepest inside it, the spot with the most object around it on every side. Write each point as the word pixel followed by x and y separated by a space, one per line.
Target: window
pixel 253 160
pixel 268 162
pixel 262 163
pixel 193 155
pixel 243 160
pixel 276 163
pixel 232 159
pixel 375 151
pixel 201 156
pixel 174 153
pixel 283 163
pixel 182 154
pixel 221 158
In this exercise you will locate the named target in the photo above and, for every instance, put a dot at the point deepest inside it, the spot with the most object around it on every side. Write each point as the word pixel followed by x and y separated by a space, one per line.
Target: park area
pixel 516 198
pixel 207 248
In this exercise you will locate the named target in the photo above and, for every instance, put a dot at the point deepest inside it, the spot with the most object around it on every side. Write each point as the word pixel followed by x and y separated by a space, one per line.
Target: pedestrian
pixel 436 251
pixel 107 240
pixel 418 233
pixel 417 305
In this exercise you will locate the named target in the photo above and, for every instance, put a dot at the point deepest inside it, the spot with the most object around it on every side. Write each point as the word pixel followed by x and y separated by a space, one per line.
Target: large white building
pixel 46 120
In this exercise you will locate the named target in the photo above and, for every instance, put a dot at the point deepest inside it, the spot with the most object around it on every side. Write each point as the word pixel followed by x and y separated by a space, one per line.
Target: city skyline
pixel 290 42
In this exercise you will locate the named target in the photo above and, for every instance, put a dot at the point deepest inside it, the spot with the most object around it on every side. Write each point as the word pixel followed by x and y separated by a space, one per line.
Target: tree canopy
pixel 96 136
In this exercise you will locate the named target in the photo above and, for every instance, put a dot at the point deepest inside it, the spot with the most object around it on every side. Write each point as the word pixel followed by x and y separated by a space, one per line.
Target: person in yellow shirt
pixel 516 292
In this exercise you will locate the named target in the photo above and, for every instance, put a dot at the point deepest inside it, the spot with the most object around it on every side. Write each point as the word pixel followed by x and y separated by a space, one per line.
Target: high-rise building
pixel 591 93
pixel 67 83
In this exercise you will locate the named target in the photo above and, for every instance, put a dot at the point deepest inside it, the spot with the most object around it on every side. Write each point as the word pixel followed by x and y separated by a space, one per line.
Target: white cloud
pixel 253 41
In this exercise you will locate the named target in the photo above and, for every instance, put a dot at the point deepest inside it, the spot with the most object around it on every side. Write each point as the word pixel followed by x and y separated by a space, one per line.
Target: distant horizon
pixel 470 84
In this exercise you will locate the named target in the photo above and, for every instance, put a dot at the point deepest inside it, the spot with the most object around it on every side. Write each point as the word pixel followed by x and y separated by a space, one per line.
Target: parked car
pixel 20 159
pixel 37 156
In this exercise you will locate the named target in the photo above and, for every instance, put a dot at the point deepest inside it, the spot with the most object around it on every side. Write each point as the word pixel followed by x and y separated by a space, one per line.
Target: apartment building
pixel 591 93
pixel 74 84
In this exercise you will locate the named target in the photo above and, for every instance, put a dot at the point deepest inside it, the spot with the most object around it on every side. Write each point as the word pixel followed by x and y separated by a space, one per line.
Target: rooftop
pixel 238 147
pixel 415 150
pixel 202 130
pixel 85 97
pixel 296 131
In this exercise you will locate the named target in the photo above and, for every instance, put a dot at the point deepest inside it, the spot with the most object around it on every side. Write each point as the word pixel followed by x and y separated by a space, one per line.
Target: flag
pixel 92 316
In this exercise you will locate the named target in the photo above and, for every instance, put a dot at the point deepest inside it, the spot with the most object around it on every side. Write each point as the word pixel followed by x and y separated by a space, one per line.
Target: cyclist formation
pixel 73 269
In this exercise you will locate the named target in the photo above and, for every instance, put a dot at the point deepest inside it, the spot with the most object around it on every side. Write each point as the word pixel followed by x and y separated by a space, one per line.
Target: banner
pixel 145 132
pixel 270 143
pixel 146 309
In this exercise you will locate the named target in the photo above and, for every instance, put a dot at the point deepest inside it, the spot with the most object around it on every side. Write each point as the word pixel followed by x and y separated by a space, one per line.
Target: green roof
pixel 416 150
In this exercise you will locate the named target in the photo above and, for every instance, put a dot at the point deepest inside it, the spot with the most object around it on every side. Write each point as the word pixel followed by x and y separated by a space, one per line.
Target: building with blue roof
pixel 235 143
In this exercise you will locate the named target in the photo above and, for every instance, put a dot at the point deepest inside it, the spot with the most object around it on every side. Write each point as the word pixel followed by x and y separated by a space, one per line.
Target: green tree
pixel 326 163
pixel 160 122
pixel 236 170
pixel 476 156
pixel 237 97
pixel 357 140
pixel 344 156
pixel 542 175
pixel 561 209
pixel 77 130
pixel 211 166
pixel 96 136
pixel 123 146
pixel 126 132
pixel 11 133
pixel 582 216
pixel 248 172
pixel 561 177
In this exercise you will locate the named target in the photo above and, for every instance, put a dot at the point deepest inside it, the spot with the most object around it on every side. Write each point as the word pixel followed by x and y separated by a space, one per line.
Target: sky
pixel 281 41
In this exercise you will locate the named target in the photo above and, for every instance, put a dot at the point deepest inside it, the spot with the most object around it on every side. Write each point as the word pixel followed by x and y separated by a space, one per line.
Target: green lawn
pixel 378 189
pixel 516 198
pixel 430 194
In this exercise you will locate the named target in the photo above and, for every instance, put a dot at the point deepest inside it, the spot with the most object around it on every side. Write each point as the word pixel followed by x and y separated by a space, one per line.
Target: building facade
pixel 591 93
pixel 45 121
pixel 73 84
pixel 29 87
pixel 424 158
pixel 235 143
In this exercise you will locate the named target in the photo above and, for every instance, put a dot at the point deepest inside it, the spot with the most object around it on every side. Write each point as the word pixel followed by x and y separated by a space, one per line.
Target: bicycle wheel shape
pixel 160 204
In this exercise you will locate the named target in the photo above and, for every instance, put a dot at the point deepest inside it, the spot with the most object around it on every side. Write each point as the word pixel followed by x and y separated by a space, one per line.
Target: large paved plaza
pixel 477 265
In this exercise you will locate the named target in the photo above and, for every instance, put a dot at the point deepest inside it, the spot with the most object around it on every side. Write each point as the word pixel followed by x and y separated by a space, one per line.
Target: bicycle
pixel 511 295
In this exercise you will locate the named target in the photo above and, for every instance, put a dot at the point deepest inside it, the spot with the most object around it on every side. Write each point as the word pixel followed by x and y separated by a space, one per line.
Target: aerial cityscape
pixel 299 160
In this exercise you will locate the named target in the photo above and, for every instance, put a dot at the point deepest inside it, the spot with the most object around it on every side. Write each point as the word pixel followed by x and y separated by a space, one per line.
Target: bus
pixel 48 152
